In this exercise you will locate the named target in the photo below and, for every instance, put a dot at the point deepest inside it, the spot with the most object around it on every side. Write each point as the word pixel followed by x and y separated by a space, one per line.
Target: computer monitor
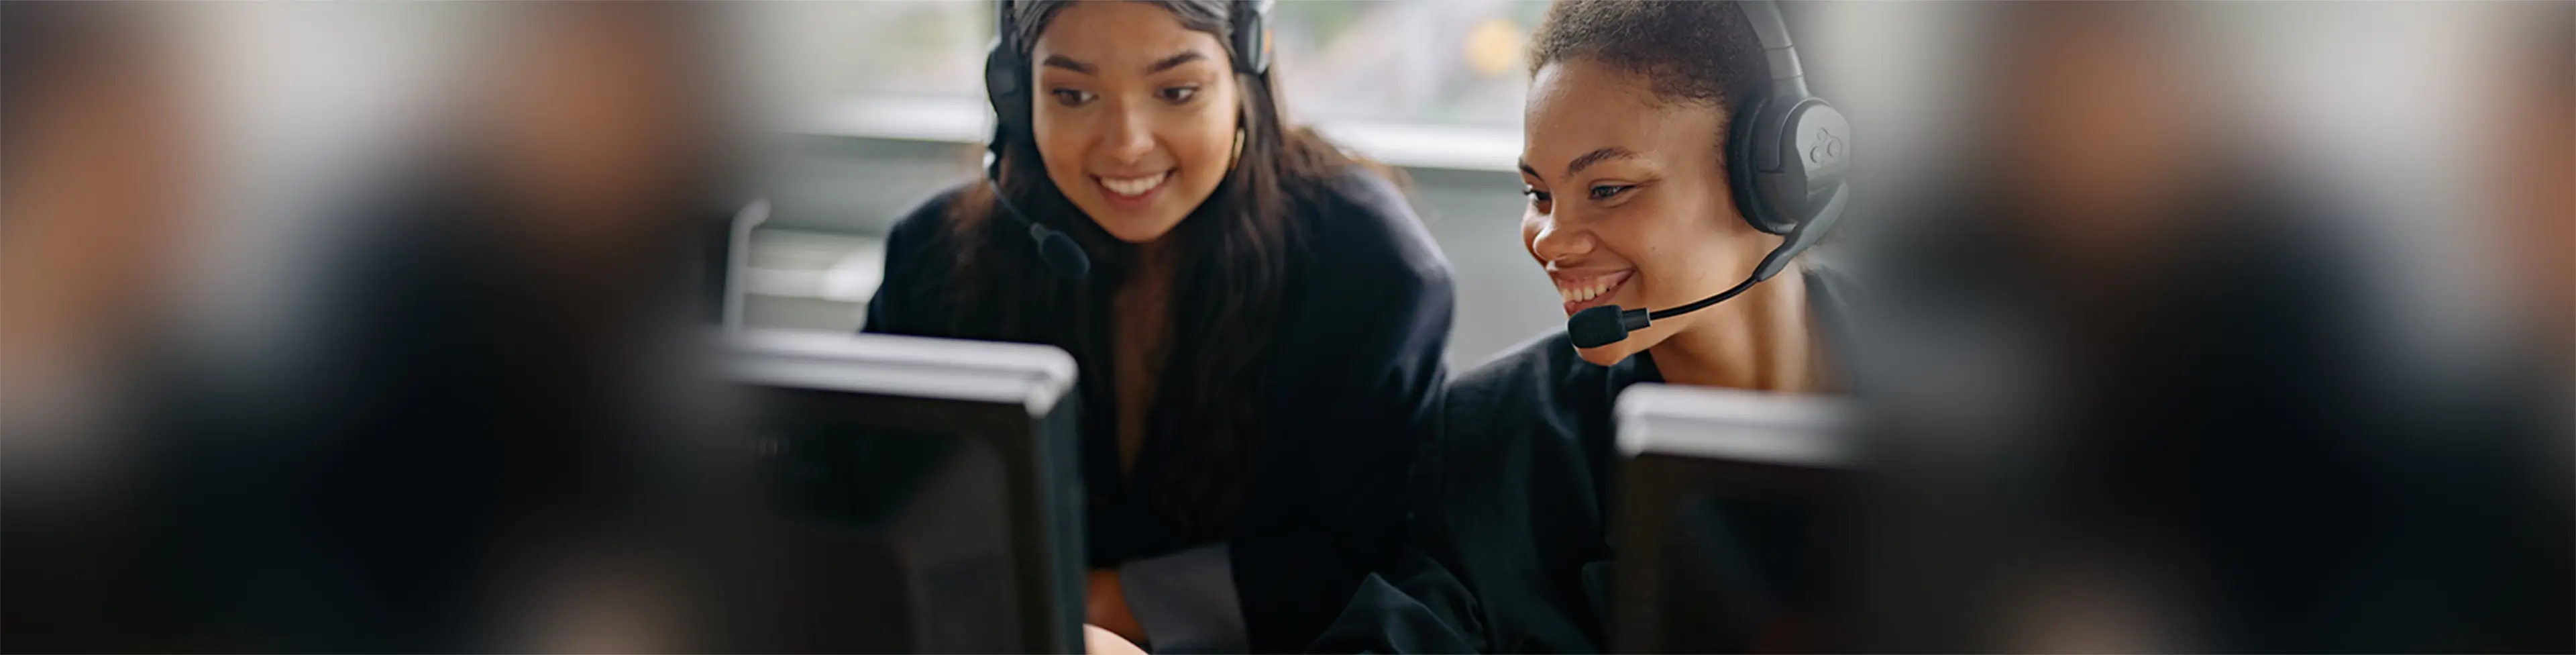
pixel 1728 506
pixel 922 495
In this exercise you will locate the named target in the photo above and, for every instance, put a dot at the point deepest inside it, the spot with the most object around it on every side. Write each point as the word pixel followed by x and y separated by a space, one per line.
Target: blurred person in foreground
pixel 2138 405
pixel 458 460
pixel 2522 410
pixel 97 186
pixel 2535 135
pixel 95 166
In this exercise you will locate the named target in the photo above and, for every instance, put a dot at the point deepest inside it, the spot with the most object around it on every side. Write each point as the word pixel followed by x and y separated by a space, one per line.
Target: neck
pixel 1155 262
pixel 1762 340
pixel 1142 313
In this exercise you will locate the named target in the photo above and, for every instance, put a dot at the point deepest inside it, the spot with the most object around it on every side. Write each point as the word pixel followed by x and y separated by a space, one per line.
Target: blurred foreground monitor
pixel 926 494
pixel 1728 506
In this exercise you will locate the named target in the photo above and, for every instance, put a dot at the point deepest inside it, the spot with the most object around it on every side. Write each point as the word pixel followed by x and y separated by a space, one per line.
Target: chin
pixel 1610 354
pixel 1638 341
pixel 1137 230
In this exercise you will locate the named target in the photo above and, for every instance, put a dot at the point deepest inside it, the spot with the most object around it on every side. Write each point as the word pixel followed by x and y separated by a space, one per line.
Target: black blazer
pixel 1511 550
pixel 1353 375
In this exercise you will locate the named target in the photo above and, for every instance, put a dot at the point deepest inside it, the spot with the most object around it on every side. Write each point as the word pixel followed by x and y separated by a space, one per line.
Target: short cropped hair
pixel 1690 51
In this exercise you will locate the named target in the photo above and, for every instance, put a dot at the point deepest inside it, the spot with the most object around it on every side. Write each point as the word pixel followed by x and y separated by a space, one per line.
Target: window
pixel 1412 82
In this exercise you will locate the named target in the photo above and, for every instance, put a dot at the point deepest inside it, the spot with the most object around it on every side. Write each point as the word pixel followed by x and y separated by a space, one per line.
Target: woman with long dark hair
pixel 1259 319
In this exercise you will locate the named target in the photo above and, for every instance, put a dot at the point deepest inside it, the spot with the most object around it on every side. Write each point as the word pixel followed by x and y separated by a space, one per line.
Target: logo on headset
pixel 1824 146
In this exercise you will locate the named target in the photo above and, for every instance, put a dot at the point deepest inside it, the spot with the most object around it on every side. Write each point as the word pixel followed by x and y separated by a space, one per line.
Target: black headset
pixel 1007 82
pixel 1786 158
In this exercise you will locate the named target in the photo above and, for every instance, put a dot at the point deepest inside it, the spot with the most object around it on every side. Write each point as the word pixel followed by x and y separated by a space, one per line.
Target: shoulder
pixel 922 250
pixel 924 242
pixel 1365 268
pixel 1358 225
pixel 1519 386
pixel 1532 419
pixel 928 222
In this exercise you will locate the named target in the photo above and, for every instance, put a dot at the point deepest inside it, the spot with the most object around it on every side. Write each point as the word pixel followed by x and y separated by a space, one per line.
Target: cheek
pixel 1202 136
pixel 1062 144
pixel 1203 142
pixel 1668 247
pixel 1637 237
pixel 1531 223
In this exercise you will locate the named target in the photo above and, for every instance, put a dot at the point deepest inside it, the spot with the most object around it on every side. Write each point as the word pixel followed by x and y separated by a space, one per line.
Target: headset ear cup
pixel 1752 127
pixel 1003 88
pixel 1250 36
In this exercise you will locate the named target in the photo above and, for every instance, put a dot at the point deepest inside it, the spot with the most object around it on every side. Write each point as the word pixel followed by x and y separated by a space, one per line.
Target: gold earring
pixel 1238 150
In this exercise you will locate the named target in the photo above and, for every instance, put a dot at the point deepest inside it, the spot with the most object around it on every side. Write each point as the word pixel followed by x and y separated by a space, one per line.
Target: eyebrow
pixel 1532 172
pixel 1595 157
pixel 1174 61
pixel 1164 64
pixel 1059 61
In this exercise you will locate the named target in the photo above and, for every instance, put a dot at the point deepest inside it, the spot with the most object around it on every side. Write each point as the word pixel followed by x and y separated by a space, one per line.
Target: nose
pixel 1551 240
pixel 1130 135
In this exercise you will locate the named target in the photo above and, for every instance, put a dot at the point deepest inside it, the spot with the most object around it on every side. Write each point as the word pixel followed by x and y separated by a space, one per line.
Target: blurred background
pixel 845 113
pixel 1433 88
pixel 228 222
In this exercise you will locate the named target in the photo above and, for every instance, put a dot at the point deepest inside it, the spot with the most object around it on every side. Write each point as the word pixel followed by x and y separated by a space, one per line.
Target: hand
pixel 1106 607
pixel 1100 641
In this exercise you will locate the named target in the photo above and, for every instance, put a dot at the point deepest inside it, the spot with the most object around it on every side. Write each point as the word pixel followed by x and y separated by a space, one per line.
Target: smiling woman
pixel 1134 138
pixel 1259 326
pixel 1631 111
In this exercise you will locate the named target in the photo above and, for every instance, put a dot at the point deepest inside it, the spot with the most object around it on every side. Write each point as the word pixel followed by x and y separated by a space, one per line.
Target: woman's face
pixel 1135 114
pixel 2104 132
pixel 2536 148
pixel 1628 198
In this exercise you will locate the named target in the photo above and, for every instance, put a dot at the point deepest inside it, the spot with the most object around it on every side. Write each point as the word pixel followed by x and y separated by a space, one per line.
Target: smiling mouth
pixel 1130 188
pixel 1586 293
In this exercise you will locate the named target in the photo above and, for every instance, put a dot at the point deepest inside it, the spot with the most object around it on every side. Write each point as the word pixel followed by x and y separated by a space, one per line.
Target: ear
pixel 1238 148
pixel 1242 119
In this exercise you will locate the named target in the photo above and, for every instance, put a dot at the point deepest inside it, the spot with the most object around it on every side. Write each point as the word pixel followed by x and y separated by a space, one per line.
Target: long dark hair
pixel 1205 424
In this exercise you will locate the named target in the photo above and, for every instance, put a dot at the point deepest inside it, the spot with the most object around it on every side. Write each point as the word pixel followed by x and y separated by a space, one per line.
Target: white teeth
pixel 1579 293
pixel 1584 292
pixel 1134 186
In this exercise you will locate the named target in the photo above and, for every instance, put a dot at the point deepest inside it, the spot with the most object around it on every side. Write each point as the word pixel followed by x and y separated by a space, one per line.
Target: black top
pixel 1512 551
pixel 1351 380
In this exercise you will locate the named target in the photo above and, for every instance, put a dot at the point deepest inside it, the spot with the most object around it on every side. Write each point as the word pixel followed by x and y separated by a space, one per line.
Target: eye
pixel 1179 94
pixel 1608 191
pixel 1538 199
pixel 1072 97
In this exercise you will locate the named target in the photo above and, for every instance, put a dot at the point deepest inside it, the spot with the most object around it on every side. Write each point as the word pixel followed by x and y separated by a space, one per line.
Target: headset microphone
pixel 1607 324
pixel 1060 253
pixel 1785 162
